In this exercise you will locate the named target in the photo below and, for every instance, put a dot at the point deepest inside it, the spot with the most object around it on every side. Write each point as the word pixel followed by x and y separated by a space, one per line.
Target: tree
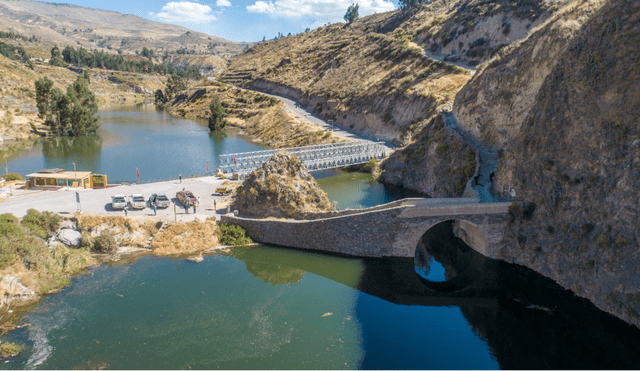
pixel 43 91
pixel 216 119
pixel 352 13
pixel 73 113
pixel 56 57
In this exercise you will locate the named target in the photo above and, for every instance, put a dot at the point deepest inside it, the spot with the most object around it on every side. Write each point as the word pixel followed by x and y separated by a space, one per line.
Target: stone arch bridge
pixel 392 229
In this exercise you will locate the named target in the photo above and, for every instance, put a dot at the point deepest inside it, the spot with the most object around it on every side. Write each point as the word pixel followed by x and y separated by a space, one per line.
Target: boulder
pixel 282 187
pixel 13 290
pixel 70 237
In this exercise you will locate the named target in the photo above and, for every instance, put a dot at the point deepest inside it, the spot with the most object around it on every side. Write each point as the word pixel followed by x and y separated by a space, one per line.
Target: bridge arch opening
pixel 443 261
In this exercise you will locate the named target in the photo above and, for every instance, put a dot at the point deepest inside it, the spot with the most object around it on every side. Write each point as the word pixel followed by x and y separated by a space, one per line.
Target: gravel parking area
pixel 98 201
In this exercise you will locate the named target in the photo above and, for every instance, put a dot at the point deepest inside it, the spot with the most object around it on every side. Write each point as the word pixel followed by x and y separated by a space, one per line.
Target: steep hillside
pixel 256 114
pixel 17 92
pixel 563 109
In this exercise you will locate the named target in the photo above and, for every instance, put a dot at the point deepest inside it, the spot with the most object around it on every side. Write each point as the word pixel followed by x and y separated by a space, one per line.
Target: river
pixel 268 307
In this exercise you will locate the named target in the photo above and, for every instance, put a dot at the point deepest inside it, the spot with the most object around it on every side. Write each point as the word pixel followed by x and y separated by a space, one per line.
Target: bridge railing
pixel 316 157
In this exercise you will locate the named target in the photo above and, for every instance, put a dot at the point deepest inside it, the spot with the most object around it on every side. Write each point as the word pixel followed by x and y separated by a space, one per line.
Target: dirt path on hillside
pixel 309 117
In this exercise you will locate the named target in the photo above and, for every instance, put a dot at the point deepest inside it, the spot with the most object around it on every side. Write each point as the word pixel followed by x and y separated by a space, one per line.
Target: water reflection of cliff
pixel 84 151
pixel 527 320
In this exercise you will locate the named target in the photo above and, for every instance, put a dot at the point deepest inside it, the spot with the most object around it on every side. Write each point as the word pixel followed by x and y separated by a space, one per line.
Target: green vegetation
pixel 469 163
pixel 217 121
pixel 70 114
pixel 105 242
pixel 99 59
pixel 9 349
pixel 351 14
pixel 12 176
pixel 13 52
pixel 48 269
pixel 174 85
pixel 43 225
pixel 232 235
pixel 515 211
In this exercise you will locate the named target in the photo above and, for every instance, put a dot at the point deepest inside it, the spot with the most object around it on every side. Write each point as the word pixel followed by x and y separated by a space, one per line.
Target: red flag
pixel 234 159
pixel 137 174
pixel 207 165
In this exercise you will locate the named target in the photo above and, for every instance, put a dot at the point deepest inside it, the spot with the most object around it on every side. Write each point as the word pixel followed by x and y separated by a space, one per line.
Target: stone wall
pixel 383 231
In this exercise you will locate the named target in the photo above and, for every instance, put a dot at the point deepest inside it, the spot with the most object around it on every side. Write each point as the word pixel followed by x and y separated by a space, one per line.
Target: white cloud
pixel 332 10
pixel 223 3
pixel 262 7
pixel 186 12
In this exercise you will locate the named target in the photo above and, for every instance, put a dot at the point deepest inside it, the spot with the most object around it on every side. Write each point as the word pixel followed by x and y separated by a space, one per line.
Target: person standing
pixel 186 208
pixel 180 176
pixel 155 209
pixel 215 207
pixel 194 207
pixel 126 209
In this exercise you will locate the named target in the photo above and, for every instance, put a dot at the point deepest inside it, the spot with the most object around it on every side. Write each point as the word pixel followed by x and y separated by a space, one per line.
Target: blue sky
pixel 241 20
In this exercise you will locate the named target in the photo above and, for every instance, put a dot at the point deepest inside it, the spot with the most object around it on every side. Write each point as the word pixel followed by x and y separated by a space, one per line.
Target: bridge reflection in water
pixel 527 320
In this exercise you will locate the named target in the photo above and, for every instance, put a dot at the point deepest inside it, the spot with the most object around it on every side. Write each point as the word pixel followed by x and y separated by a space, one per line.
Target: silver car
pixel 160 200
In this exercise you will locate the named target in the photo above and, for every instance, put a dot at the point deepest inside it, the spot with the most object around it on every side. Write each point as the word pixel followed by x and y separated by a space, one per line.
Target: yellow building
pixel 61 178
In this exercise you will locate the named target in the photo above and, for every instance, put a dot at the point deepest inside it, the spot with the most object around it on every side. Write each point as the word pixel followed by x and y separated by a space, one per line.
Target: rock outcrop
pixel 281 188
pixel 439 164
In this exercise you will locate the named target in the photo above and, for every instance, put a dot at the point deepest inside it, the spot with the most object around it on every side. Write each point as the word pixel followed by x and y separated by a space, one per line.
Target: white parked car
pixel 118 202
pixel 136 201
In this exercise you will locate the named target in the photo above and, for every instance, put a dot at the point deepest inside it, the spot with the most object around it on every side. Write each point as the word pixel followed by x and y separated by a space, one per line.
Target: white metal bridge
pixel 317 157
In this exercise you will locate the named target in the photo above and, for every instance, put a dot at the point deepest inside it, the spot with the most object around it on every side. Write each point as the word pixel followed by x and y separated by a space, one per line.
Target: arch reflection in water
pixel 446 264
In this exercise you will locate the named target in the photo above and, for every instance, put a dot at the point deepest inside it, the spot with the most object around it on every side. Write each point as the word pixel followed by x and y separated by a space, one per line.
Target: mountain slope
pixel 66 24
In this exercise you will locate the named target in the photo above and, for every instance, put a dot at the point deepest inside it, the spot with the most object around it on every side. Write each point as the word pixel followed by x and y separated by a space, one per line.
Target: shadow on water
pixel 526 320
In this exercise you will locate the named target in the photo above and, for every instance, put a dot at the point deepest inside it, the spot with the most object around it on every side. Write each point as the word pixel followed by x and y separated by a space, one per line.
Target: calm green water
pixel 277 308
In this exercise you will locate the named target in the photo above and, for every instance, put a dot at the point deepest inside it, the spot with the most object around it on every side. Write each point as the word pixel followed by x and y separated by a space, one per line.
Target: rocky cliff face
pixel 564 109
pixel 438 164
pixel 282 187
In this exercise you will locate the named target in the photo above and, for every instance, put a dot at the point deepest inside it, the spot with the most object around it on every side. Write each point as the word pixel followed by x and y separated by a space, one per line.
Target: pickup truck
pixel 118 202
pixel 160 200
pixel 136 201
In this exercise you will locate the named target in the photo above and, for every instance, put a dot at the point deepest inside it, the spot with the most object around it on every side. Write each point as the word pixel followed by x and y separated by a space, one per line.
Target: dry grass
pixel 180 238
pixel 255 113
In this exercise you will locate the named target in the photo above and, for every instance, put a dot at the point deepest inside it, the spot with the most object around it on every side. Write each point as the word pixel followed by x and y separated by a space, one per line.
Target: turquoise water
pixel 276 308
pixel 159 144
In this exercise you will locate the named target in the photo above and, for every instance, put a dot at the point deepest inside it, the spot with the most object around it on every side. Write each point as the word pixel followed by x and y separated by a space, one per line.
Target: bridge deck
pixel 317 157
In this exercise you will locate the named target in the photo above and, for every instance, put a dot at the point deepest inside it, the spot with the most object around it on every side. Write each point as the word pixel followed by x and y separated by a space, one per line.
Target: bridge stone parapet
pixel 387 230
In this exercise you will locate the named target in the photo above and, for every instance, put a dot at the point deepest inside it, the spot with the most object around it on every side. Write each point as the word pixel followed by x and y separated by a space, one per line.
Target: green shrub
pixel 603 241
pixel 469 163
pixel 12 176
pixel 35 229
pixel 11 230
pixel 105 242
pixel 442 149
pixel 47 221
pixel 86 240
pixel 7 256
pixel 8 218
pixel 527 213
pixel 232 235
pixel 9 349
pixel 621 241
pixel 515 211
